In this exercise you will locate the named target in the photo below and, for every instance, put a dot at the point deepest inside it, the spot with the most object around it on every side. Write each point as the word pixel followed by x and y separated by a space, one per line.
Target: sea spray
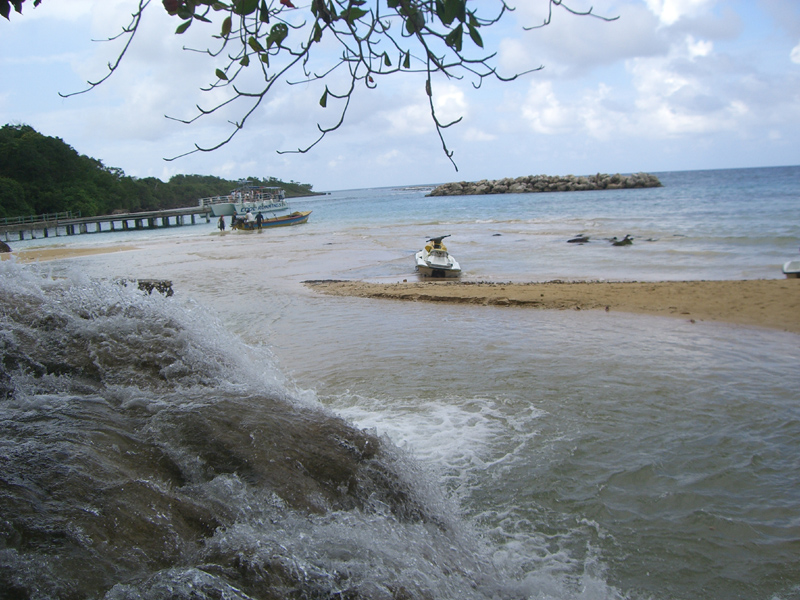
pixel 145 453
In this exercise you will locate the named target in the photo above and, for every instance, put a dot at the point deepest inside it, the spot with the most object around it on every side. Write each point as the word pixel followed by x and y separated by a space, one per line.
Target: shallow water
pixel 194 446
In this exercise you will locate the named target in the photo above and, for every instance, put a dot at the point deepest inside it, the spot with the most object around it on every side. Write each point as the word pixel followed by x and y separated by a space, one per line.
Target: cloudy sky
pixel 669 85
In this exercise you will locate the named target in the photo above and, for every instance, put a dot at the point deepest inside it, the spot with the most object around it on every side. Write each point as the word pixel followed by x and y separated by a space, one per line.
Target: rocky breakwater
pixel 547 183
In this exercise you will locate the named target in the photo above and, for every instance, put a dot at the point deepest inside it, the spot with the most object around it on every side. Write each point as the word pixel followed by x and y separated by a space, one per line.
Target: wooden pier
pixel 58 225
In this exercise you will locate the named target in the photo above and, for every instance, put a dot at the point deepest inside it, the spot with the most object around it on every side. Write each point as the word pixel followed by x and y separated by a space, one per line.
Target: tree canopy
pixel 282 42
pixel 43 175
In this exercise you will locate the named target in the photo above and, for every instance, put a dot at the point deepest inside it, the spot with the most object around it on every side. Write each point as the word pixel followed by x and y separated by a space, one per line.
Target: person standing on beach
pixel 221 224
pixel 259 219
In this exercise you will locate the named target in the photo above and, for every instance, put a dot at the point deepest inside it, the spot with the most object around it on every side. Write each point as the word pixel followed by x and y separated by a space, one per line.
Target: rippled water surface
pixel 249 438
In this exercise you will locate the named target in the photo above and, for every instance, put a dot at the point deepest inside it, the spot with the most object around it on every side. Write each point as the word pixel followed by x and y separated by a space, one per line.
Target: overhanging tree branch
pixel 376 38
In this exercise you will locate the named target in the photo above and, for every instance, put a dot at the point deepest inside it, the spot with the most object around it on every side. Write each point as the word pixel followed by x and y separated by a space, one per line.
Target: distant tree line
pixel 43 175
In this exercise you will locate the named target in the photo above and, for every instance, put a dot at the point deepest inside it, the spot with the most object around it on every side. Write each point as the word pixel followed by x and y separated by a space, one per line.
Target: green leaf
pixel 454 9
pixel 245 60
pixel 415 22
pixel 353 14
pixel 183 26
pixel 245 7
pixel 226 26
pixel 323 102
pixel 317 33
pixel 440 12
pixel 453 38
pixel 476 37
pixel 255 44
pixel 221 75
pixel 263 12
pixel 428 87
pixel 277 34
pixel 386 60
pixel 407 61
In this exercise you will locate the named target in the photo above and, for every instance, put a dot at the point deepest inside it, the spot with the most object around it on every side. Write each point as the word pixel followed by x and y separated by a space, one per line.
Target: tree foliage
pixel 5 6
pixel 43 175
pixel 435 39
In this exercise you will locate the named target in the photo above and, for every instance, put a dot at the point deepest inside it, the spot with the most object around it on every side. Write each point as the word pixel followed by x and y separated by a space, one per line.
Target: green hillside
pixel 42 175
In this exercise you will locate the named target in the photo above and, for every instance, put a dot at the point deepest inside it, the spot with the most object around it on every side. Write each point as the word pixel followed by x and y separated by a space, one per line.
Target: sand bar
pixel 771 303
pixel 61 252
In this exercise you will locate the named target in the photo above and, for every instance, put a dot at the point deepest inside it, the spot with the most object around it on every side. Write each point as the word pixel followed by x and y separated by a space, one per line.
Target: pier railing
pixel 45 218
pixel 68 223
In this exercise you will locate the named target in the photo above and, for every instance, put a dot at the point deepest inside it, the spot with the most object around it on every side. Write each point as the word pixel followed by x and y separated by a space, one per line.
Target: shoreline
pixel 44 254
pixel 769 303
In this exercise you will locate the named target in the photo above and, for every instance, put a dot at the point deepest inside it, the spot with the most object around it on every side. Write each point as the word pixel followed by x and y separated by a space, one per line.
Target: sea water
pixel 249 438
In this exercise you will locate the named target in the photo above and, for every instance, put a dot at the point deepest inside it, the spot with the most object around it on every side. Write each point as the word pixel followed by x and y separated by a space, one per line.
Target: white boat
pixel 435 261
pixel 792 269
pixel 247 197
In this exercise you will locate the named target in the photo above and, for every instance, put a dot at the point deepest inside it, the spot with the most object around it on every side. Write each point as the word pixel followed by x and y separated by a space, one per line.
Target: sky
pixel 669 85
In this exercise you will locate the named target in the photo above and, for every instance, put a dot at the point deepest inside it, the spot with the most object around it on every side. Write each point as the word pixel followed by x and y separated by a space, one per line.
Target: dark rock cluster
pixel 547 183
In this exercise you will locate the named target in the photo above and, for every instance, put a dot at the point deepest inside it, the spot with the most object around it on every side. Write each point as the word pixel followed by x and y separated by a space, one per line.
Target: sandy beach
pixel 60 253
pixel 771 303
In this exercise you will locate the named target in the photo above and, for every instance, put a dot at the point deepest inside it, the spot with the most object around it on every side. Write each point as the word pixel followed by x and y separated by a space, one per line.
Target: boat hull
pixel 296 218
pixel 429 265
pixel 792 269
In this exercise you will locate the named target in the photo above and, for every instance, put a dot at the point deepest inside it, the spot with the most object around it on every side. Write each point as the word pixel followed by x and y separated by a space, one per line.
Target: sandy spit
pixel 61 252
pixel 771 303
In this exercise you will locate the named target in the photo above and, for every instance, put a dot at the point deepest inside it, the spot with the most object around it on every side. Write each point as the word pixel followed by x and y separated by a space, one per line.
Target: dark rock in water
pixel 141 453
pixel 581 239
pixel 4 247
pixel 162 286
pixel 546 183
pixel 626 241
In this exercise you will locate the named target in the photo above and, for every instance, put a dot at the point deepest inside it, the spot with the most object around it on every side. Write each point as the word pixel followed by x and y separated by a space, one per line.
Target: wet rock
pixel 548 183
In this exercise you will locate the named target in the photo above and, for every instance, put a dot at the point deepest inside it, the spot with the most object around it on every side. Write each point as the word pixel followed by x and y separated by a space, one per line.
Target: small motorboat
pixel 792 269
pixel 250 224
pixel 435 261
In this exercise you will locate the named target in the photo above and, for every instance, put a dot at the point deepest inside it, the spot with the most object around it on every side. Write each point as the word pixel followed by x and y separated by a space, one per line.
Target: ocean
pixel 248 437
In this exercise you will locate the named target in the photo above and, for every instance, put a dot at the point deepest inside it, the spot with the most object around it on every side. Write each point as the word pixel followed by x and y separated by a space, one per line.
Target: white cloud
pixel 672 11
pixel 795 55
pixel 572 45
pixel 472 134
pixel 698 48
pixel 451 103
pixel 413 119
pixel 543 111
